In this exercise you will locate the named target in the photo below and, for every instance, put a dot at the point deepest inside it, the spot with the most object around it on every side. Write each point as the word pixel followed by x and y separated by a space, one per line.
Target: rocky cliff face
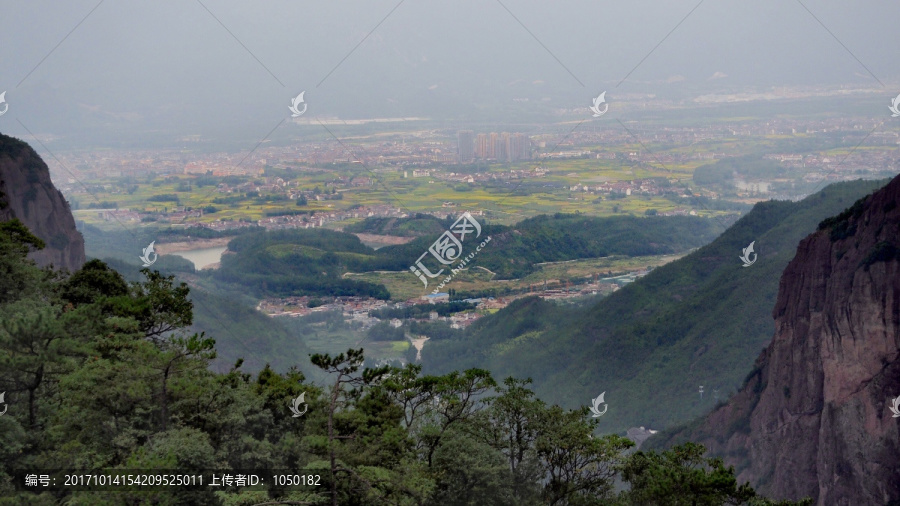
pixel 27 193
pixel 813 418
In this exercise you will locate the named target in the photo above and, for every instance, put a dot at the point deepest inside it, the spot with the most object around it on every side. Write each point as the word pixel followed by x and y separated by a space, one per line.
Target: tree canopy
pixel 99 374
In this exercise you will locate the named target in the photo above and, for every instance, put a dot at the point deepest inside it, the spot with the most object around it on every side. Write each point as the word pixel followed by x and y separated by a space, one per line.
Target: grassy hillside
pixel 701 320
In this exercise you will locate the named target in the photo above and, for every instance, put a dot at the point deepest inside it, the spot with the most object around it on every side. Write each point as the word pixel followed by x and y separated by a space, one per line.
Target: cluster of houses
pixel 633 187
pixel 358 309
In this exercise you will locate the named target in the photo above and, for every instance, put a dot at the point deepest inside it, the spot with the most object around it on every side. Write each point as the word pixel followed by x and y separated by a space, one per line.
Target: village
pixel 359 310
pixel 319 183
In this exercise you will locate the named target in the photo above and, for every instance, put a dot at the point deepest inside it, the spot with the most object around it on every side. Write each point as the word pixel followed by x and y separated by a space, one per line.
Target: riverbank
pixel 378 241
pixel 167 248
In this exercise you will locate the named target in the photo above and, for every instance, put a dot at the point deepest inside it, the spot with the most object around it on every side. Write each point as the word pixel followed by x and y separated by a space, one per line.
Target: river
pixel 202 257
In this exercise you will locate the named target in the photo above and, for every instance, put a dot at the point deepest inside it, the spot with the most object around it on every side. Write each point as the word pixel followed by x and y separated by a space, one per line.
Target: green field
pixel 672 162
pixel 404 286
pixel 549 194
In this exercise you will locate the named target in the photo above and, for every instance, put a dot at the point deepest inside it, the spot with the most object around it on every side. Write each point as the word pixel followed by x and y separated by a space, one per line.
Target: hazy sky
pixel 169 65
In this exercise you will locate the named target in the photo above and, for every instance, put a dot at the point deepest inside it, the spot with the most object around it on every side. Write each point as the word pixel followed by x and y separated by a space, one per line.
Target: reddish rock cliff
pixel 813 418
pixel 27 193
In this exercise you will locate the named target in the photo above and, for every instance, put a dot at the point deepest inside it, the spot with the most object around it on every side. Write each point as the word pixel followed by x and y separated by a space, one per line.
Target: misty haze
pixel 497 252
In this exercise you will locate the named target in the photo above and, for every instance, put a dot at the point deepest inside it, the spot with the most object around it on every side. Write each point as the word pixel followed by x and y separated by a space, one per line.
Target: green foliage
pixel 682 476
pixel 515 251
pixel 414 226
pixel 100 374
pixel 20 237
pixel 314 261
pixel 229 201
pixel 384 331
pixel 17 276
pixel 701 320
pixel 92 282
pixel 881 252
pixel 103 204
pixel 432 329
pixel 852 212
pixel 12 147
pixel 163 197
pixel 422 310
pixel 298 262
pixel 842 230
pixel 243 332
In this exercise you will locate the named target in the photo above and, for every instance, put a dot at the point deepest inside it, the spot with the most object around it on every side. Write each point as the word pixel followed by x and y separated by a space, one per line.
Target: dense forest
pixel 99 374
pixel 300 262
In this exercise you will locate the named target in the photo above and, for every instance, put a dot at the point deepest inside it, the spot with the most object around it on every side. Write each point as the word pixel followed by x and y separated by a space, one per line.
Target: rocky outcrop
pixel 813 419
pixel 27 193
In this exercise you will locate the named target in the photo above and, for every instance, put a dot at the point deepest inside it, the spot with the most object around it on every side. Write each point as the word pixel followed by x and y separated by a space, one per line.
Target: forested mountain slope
pixel 101 377
pixel 241 330
pixel 701 320
pixel 814 417
pixel 516 249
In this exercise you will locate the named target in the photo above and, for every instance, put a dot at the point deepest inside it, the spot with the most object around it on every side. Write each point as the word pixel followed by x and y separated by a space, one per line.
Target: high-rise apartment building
pixel 520 147
pixel 465 145
pixel 482 147
pixel 503 147
pixel 499 142
pixel 506 140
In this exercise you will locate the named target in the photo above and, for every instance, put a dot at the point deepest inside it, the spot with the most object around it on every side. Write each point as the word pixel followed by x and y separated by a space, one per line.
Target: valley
pixel 404 189
pixel 393 253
